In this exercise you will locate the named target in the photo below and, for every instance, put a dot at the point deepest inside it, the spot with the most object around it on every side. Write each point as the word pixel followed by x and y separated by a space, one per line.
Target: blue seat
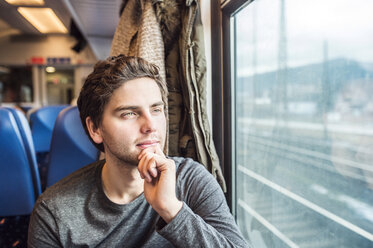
pixel 26 135
pixel 19 178
pixel 42 122
pixel 71 148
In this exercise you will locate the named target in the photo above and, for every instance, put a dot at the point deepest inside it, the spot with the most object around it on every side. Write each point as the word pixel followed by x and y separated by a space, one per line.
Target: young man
pixel 137 196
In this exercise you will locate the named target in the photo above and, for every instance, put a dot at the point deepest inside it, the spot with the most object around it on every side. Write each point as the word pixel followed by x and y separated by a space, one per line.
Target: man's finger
pixel 140 168
pixel 159 151
pixel 152 167
pixel 151 149
pixel 144 168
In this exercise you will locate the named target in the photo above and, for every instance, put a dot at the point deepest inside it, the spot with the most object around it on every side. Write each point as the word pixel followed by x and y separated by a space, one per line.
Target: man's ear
pixel 94 131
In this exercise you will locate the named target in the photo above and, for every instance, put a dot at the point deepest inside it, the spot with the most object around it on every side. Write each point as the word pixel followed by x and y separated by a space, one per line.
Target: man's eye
pixel 157 110
pixel 129 114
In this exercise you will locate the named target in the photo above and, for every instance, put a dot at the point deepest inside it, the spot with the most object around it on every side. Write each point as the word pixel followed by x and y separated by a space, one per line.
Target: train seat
pixel 19 179
pixel 26 136
pixel 71 148
pixel 42 122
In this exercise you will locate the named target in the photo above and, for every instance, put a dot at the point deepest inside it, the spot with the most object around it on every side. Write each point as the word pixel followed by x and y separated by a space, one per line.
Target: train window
pixel 16 84
pixel 303 136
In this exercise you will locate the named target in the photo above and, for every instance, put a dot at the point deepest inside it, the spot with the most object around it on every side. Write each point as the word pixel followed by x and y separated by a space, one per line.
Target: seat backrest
pixel 42 122
pixel 17 189
pixel 71 148
pixel 26 136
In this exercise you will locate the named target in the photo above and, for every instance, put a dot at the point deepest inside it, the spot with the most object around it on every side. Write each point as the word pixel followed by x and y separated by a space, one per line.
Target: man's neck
pixel 121 183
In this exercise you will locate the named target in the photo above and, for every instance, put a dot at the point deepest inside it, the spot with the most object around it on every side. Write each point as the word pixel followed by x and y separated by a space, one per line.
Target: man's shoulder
pixel 72 186
pixel 186 164
pixel 189 168
pixel 195 183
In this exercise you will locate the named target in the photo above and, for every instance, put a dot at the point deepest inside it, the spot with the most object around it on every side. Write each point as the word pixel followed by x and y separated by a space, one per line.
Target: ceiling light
pixel 50 69
pixel 25 2
pixel 43 19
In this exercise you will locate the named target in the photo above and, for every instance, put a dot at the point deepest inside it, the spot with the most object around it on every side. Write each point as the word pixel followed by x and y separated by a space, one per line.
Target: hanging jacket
pixel 192 55
pixel 182 31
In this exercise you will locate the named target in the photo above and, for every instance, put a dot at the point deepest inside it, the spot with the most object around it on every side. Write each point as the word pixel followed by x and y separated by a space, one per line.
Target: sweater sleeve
pixel 43 228
pixel 205 219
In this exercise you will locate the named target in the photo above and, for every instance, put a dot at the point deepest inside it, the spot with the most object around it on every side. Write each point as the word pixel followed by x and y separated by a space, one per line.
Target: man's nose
pixel 148 124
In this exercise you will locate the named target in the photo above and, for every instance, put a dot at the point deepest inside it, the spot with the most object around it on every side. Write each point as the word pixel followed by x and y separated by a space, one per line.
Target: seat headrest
pixel 42 123
pixel 71 148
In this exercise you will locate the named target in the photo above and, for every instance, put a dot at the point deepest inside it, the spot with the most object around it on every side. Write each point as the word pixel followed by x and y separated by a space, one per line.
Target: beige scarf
pixel 138 34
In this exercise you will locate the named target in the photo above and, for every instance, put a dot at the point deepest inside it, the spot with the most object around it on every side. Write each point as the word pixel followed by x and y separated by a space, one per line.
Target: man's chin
pixel 129 161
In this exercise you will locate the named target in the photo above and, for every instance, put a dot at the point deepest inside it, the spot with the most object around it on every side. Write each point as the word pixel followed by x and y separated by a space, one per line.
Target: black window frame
pixel 221 56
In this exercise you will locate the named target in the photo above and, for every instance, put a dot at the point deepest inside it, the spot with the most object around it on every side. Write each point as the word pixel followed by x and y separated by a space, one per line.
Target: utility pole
pixel 282 64
pixel 325 83
pixel 253 82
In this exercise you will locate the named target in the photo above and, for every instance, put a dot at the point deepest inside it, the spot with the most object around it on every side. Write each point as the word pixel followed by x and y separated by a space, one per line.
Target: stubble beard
pixel 127 158
pixel 124 157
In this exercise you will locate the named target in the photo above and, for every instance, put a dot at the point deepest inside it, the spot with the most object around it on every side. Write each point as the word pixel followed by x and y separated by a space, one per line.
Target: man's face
pixel 133 120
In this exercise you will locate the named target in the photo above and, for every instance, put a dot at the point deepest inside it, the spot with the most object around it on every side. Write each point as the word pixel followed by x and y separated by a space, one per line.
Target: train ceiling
pixel 96 20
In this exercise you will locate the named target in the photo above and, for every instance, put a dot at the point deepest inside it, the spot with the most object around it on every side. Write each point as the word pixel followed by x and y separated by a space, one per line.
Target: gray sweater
pixel 75 212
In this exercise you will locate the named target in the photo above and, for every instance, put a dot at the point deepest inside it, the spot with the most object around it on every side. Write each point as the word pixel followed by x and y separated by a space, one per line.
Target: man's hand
pixel 160 182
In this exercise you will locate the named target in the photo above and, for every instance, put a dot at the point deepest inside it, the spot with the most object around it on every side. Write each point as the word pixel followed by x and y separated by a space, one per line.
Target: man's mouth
pixel 147 143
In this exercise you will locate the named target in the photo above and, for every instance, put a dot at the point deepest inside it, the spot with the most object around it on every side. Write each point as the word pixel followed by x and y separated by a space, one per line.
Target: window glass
pixel 16 84
pixel 303 83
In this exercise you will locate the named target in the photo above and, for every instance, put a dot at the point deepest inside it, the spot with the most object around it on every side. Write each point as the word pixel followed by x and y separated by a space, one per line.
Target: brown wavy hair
pixel 107 76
